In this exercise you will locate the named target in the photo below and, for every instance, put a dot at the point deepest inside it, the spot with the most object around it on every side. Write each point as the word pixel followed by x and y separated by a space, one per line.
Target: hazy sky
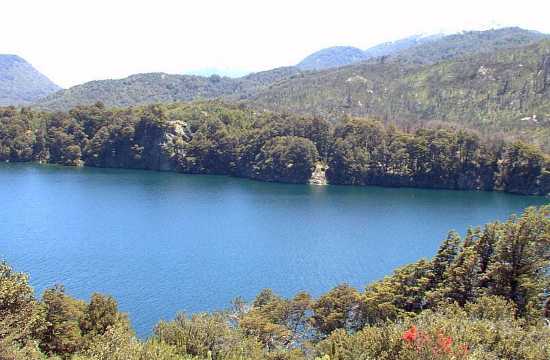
pixel 73 41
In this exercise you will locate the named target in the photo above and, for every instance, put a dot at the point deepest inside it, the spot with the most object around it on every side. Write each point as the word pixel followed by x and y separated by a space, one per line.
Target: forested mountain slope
pixel 150 88
pixel 478 80
pixel 20 83
pixel 157 87
pixel 506 91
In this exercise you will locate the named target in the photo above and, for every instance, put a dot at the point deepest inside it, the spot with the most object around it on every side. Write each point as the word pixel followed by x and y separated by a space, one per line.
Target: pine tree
pixel 518 268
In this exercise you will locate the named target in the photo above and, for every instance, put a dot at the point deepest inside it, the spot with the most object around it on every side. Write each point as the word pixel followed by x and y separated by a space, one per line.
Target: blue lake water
pixel 164 242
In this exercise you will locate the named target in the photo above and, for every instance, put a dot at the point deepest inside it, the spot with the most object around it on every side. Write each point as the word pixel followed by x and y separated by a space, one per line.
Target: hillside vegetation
pixel 214 138
pixel 483 296
pixel 499 93
pixel 20 83
pixel 150 88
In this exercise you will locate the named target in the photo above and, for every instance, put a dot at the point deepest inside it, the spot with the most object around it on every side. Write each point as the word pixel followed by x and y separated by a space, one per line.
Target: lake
pixel 164 242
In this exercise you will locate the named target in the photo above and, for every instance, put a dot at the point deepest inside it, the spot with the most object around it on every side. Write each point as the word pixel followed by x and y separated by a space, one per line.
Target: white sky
pixel 73 41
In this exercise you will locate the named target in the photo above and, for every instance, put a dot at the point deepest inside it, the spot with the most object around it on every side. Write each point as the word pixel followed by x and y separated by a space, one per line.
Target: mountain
pixel 494 81
pixel 209 71
pixel 338 56
pixel 394 47
pixel 506 90
pixel 332 57
pixel 159 87
pixel 424 48
pixel 20 83
pixel 468 43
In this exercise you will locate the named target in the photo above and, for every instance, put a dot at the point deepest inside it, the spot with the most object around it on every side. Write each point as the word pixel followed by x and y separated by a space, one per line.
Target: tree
pixel 461 280
pixel 206 336
pixel 287 159
pixel 517 269
pixel 401 295
pixel 100 315
pixel 446 255
pixel 20 314
pixel 522 168
pixel 63 315
pixel 267 320
pixel 338 309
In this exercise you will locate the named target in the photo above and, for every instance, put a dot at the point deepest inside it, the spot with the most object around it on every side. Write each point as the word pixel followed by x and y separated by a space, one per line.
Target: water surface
pixel 165 242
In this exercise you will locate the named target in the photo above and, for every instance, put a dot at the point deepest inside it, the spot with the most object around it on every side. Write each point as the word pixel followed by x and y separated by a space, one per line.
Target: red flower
pixel 444 343
pixel 410 335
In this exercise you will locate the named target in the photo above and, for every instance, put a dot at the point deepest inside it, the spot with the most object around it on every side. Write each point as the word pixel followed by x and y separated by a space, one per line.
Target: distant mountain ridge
pixel 424 48
pixel 209 71
pixel 496 81
pixel 332 57
pixel 142 89
pixel 393 47
pixel 469 43
pixel 149 88
pixel 346 55
pixel 21 83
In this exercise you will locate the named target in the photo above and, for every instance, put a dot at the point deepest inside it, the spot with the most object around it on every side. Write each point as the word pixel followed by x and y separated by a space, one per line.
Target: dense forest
pixel 215 138
pixel 503 93
pixel 483 296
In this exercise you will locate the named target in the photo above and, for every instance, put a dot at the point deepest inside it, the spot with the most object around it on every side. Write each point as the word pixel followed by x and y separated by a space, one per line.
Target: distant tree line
pixel 484 296
pixel 215 138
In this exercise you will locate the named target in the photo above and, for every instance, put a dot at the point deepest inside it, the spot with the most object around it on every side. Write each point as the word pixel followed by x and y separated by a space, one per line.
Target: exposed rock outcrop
pixel 318 177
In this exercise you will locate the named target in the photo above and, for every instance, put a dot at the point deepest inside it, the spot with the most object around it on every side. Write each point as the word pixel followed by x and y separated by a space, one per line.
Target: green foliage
pixel 17 137
pixel 20 314
pixel 481 330
pixel 13 351
pixel 144 89
pixel 503 94
pixel 366 153
pixel 278 323
pixel 65 139
pixel 62 334
pixel 286 159
pixel 216 138
pixel 525 162
pixel 100 315
pixel 337 309
pixel 206 336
